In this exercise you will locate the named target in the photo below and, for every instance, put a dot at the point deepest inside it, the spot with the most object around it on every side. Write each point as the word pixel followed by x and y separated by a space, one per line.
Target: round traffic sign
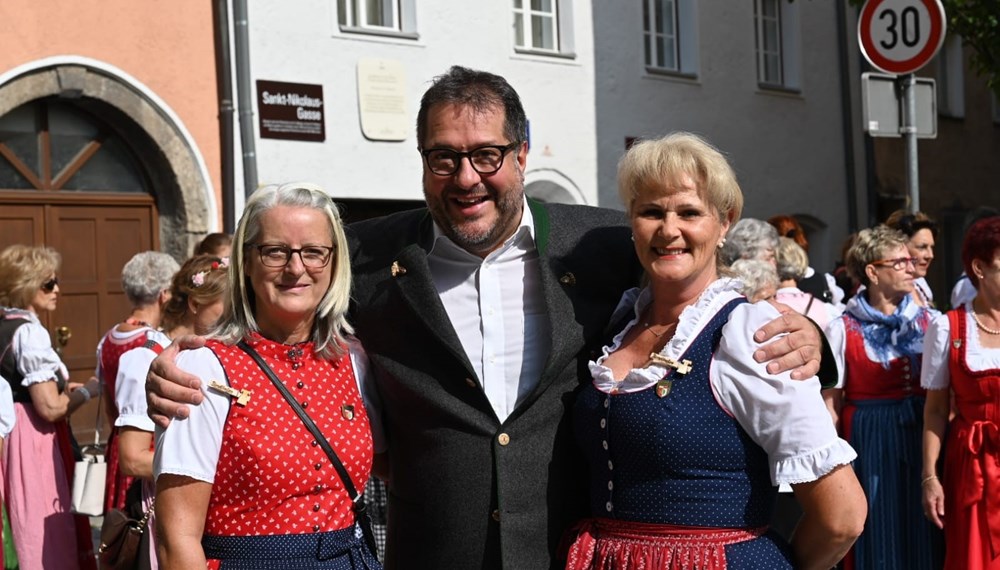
pixel 901 36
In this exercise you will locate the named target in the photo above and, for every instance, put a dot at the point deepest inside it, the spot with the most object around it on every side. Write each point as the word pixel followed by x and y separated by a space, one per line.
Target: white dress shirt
pixel 935 373
pixel 497 308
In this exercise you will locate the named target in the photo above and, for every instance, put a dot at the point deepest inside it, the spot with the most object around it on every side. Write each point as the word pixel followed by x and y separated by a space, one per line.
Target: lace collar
pixel 693 319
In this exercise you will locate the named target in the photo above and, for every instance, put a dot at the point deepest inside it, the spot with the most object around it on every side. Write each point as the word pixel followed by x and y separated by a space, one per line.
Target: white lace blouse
pixel 787 418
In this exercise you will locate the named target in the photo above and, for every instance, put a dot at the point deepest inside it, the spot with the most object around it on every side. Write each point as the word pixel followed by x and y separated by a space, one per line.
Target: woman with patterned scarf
pixel 878 402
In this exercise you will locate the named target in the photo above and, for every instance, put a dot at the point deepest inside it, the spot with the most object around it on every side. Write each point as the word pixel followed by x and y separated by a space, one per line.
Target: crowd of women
pixel 687 437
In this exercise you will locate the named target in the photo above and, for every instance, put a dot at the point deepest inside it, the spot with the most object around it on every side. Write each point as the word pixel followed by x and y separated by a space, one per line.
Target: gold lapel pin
pixel 397 269
pixel 568 279
pixel 347 410
pixel 682 367
pixel 242 396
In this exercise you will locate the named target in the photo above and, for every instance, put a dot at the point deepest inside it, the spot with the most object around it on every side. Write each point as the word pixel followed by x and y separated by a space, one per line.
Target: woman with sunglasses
pixel 37 458
pixel 920 232
pixel 878 402
pixel 962 351
pixel 242 480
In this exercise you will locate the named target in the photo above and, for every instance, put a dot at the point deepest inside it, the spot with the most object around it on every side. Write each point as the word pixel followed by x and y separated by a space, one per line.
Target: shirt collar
pixel 523 238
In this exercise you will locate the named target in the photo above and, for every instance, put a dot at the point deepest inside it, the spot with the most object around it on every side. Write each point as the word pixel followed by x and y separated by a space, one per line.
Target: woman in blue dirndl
pixel 687 435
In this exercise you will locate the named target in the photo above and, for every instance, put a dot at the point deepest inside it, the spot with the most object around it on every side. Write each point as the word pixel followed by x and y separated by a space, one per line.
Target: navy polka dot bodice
pixel 680 459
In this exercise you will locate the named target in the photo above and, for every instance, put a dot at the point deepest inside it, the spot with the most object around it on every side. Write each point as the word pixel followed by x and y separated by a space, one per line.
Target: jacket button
pixel 318 466
pixel 316 507
pixel 305 404
pixel 315 528
pixel 318 489
pixel 299 384
pixel 470 382
pixel 496 515
pixel 314 443
pixel 503 438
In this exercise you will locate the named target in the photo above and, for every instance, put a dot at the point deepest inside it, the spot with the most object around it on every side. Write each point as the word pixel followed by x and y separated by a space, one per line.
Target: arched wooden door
pixel 68 181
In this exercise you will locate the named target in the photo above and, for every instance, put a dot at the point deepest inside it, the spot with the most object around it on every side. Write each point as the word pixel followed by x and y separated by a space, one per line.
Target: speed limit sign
pixel 901 36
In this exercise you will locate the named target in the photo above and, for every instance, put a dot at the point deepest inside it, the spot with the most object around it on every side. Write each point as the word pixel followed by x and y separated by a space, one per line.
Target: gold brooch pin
pixel 568 279
pixel 397 269
pixel 663 387
pixel 347 410
pixel 242 396
pixel 682 367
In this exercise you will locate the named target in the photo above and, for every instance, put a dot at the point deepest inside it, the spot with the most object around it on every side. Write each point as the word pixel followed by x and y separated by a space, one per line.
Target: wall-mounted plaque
pixel 382 100
pixel 290 111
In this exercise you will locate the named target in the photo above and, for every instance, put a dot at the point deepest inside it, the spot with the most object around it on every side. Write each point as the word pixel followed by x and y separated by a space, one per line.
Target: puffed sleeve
pixel 130 389
pixel 191 446
pixel 366 385
pixel 836 335
pixel 6 409
pixel 787 418
pixel 37 361
pixel 934 374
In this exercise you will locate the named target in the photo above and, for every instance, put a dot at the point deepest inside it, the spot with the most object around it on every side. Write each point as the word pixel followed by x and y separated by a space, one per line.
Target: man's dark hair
pixel 479 90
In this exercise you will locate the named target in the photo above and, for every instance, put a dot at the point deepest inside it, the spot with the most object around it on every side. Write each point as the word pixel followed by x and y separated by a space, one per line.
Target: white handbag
pixel 90 474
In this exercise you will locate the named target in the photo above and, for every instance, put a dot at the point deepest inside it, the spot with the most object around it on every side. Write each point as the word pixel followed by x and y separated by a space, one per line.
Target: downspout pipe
pixel 224 70
pixel 244 96
pixel 847 117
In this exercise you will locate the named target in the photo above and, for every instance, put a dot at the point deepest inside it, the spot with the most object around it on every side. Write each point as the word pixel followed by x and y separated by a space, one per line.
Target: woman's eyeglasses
pixel 50 285
pixel 898 264
pixel 312 256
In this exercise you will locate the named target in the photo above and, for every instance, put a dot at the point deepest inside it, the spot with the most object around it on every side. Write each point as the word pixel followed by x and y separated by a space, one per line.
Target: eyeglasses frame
pixel 504 149
pixel 292 251
pixel 891 263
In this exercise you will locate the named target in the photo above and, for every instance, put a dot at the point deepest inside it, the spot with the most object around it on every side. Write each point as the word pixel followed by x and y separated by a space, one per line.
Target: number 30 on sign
pixel 901 36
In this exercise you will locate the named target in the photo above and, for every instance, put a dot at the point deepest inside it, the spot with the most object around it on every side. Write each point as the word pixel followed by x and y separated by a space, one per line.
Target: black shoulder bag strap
pixel 360 511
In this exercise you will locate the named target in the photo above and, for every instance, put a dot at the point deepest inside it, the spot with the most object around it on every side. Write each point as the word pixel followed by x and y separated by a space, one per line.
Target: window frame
pixel 562 29
pixel 788 50
pixel 653 57
pixel 403 16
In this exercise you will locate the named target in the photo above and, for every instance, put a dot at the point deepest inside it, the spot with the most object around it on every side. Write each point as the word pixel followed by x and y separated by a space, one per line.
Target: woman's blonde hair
pixel 202 279
pixel 869 246
pixel 330 326
pixel 23 270
pixel 661 163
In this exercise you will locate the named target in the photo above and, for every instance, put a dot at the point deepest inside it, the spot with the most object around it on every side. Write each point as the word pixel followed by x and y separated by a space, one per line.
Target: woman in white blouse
pixel 962 352
pixel 687 435
pixel 37 458
pixel 196 300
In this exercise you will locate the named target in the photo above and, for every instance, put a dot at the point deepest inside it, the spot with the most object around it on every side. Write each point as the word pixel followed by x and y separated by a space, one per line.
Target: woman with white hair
pixel 146 283
pixel 37 457
pixel 749 238
pixel 281 355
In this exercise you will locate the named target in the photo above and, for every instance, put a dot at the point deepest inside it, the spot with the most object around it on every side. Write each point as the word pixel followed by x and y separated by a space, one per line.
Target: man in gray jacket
pixel 479 314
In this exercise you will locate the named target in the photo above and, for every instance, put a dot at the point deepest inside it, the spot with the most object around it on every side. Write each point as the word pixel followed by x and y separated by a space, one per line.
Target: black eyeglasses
pixel 898 264
pixel 484 160
pixel 312 256
pixel 50 285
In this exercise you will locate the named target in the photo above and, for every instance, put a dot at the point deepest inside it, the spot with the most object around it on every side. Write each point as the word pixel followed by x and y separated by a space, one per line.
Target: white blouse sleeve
pixel 836 335
pixel 130 389
pixel 37 361
pixel 934 374
pixel 787 418
pixel 366 385
pixel 191 446
pixel 6 409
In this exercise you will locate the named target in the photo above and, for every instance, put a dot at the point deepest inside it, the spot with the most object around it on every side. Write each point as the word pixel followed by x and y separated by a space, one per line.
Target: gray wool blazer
pixel 466 490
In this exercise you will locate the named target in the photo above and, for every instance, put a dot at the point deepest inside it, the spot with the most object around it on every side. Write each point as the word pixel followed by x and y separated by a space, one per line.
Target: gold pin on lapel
pixel 242 396
pixel 568 279
pixel 347 410
pixel 682 367
pixel 397 269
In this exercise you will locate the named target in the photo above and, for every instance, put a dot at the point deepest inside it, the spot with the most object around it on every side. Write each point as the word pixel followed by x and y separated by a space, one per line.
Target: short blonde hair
pixel 792 261
pixel 869 246
pixel 330 327
pixel 660 164
pixel 23 270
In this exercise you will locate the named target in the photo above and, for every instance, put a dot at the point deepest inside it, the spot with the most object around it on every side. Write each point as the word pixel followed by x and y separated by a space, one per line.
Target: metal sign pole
pixel 909 131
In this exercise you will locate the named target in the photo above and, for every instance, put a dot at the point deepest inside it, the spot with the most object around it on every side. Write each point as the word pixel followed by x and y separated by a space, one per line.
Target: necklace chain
pixel 980 324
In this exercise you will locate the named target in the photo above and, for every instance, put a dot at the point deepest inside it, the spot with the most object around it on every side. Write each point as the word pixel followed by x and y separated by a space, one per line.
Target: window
pixel 383 17
pixel 950 80
pixel 659 22
pixel 776 29
pixel 535 25
pixel 544 26
pixel 669 36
